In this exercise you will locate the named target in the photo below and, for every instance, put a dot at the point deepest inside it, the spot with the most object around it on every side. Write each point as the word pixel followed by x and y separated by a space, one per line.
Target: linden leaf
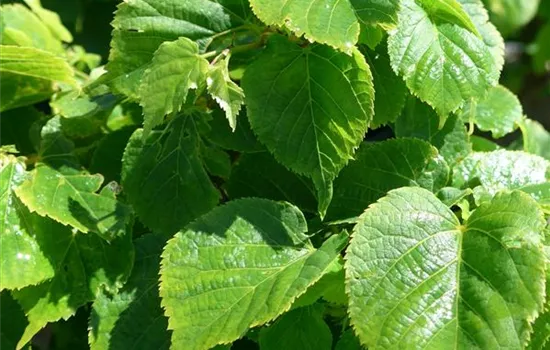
pixel 242 265
pixel 417 278
pixel 311 107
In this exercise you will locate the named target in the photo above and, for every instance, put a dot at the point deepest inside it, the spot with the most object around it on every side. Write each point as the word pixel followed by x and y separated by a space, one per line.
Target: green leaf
pixel 511 15
pixel 490 35
pixel 216 161
pixel 448 11
pixel 541 193
pixel 242 139
pixel 371 35
pixel 383 166
pixel 499 112
pixel 177 67
pixel 329 288
pixel 541 328
pixel 35 63
pixel 390 92
pixel 133 317
pixel 21 27
pixel 55 149
pixel 227 94
pixel 311 107
pixel 164 179
pixel 23 262
pixel 442 62
pixel 480 144
pixel 420 121
pixel 83 116
pixel 51 20
pixel 417 278
pixel 84 264
pixel 541 332
pixel 333 22
pixel 11 331
pixel 107 157
pixel 302 328
pixel 19 90
pixel 541 51
pixel 259 175
pixel 141 26
pixel 27 75
pixel 72 200
pixel 536 139
pixel 377 12
pixel 488 173
pixel 452 196
pixel 243 264
pixel 348 341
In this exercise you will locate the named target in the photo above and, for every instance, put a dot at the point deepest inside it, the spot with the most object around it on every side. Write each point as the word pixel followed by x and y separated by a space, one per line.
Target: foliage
pixel 274 175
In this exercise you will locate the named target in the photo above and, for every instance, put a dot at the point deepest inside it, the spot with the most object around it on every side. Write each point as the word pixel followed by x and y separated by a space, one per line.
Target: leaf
pixel 541 327
pixel 72 200
pixel 23 262
pixel 488 173
pixel 35 63
pixel 330 288
pixel 333 22
pixel 499 112
pixel 20 91
pixel 480 144
pixel 21 27
pixel 243 264
pixel 216 161
pixel 83 116
pixel 348 341
pixel 541 193
pixel 451 196
pixel 311 107
pixel 383 166
pixel 133 317
pixel 541 332
pixel 164 179
pixel 51 20
pixel 55 149
pixel 490 35
pixel 441 60
pixel 11 331
pixel 420 121
pixel 371 35
pixel 390 91
pixel 417 278
pixel 302 328
pixel 541 51
pixel 259 175
pixel 107 157
pixel 141 26
pixel 176 68
pixel 27 75
pixel 242 139
pixel 377 12
pixel 227 94
pixel 511 15
pixel 83 265
pixel 536 139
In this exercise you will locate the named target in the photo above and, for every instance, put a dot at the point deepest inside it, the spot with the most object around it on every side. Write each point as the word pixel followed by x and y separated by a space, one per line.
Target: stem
pixel 235 49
